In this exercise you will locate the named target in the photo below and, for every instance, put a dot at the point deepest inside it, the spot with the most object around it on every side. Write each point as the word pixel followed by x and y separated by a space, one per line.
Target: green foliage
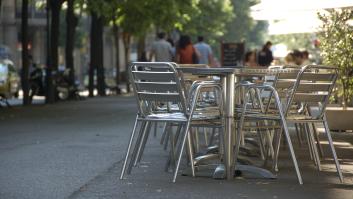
pixel 209 19
pixel 243 27
pixel 336 45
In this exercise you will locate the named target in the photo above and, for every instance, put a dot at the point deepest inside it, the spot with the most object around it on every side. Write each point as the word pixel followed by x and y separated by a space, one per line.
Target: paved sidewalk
pixel 75 149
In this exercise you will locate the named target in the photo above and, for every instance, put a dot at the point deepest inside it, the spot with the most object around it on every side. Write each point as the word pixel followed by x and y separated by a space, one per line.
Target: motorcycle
pixel 66 89
pixel 37 83
pixel 63 88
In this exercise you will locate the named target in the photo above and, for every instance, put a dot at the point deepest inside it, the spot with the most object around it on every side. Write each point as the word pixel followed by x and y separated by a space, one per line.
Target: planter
pixel 339 118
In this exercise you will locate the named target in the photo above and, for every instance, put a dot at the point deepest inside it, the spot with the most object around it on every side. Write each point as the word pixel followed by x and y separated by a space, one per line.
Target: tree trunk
pixel 100 66
pixel 92 63
pixel 117 55
pixel 141 46
pixel 97 55
pixel 55 7
pixel 71 21
pixel 25 61
pixel 126 40
pixel 0 6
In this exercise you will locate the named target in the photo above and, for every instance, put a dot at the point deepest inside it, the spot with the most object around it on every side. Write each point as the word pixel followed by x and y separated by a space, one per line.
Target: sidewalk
pixel 75 150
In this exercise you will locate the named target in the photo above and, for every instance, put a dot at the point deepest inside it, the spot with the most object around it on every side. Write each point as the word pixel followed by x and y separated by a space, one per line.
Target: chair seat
pixel 210 115
pixel 166 117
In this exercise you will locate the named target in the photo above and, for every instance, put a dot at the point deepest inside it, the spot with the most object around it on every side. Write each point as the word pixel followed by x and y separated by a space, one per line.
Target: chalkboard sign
pixel 232 54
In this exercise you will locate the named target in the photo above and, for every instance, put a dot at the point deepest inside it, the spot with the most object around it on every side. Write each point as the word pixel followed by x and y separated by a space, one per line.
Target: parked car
pixel 9 79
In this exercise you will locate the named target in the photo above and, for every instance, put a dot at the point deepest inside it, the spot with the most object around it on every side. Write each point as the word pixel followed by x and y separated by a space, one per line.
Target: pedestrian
pixel 298 57
pixel 250 59
pixel 161 50
pixel 306 60
pixel 186 53
pixel 289 59
pixel 170 40
pixel 206 56
pixel 265 56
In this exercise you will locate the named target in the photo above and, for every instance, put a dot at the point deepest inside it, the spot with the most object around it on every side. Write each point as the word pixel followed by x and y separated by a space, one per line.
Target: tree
pixel 336 44
pixel 55 7
pixel 209 19
pixel 71 23
pixel 97 10
pixel 243 27
pixel 25 61
pixel 137 17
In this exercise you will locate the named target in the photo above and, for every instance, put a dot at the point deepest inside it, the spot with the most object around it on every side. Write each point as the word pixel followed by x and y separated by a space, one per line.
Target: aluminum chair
pixel 262 115
pixel 159 83
pixel 312 88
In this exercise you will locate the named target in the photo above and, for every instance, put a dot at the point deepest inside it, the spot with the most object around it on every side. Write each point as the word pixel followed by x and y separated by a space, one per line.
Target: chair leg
pixel 277 145
pixel 128 150
pixel 327 130
pixel 172 158
pixel 164 134
pixel 191 154
pixel 143 143
pixel 210 142
pixel 298 135
pixel 316 134
pixel 261 146
pixel 186 132
pixel 314 147
pixel 290 146
pixel 155 129
pixel 167 135
pixel 137 143
pixel 309 143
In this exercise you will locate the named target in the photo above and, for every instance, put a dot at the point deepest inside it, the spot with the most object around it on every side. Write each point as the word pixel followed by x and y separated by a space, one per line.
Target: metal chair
pixel 261 115
pixel 156 84
pixel 311 88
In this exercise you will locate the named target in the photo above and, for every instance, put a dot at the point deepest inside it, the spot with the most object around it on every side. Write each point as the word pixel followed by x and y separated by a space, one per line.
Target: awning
pixel 294 16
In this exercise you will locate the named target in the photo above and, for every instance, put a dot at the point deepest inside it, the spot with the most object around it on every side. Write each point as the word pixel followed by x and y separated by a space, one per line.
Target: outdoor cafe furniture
pixel 310 87
pixel 230 78
pixel 156 84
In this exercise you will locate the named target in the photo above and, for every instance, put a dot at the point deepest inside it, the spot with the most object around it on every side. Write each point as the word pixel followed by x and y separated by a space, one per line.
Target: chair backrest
pixel 282 82
pixel 155 83
pixel 313 86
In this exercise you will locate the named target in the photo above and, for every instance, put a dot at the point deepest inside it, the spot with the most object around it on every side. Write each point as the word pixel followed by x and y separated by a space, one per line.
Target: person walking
pixel 250 59
pixel 206 56
pixel 186 53
pixel 265 56
pixel 161 50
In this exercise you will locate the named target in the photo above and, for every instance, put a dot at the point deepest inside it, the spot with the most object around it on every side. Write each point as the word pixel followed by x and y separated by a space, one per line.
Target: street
pixel 75 149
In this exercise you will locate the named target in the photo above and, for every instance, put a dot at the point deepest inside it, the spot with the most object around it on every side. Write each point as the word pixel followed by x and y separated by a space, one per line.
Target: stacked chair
pixel 161 97
pixel 290 100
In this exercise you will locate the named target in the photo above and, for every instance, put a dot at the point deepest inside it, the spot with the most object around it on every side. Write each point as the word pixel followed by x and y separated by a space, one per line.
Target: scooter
pixel 65 89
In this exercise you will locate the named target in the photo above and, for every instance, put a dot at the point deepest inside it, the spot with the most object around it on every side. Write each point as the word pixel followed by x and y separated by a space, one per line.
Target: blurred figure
pixel 298 57
pixel 265 56
pixel 250 59
pixel 170 40
pixel 186 53
pixel 306 60
pixel 161 49
pixel 206 56
pixel 289 59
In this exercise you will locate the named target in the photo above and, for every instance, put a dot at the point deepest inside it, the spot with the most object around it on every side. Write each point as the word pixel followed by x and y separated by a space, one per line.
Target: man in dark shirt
pixel 265 56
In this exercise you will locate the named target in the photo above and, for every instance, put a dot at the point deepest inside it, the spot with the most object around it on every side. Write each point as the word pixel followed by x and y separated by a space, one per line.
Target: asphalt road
pixel 74 150
pixel 50 151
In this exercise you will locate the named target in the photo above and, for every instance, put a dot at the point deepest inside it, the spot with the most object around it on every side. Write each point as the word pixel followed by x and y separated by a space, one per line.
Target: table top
pixel 240 71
